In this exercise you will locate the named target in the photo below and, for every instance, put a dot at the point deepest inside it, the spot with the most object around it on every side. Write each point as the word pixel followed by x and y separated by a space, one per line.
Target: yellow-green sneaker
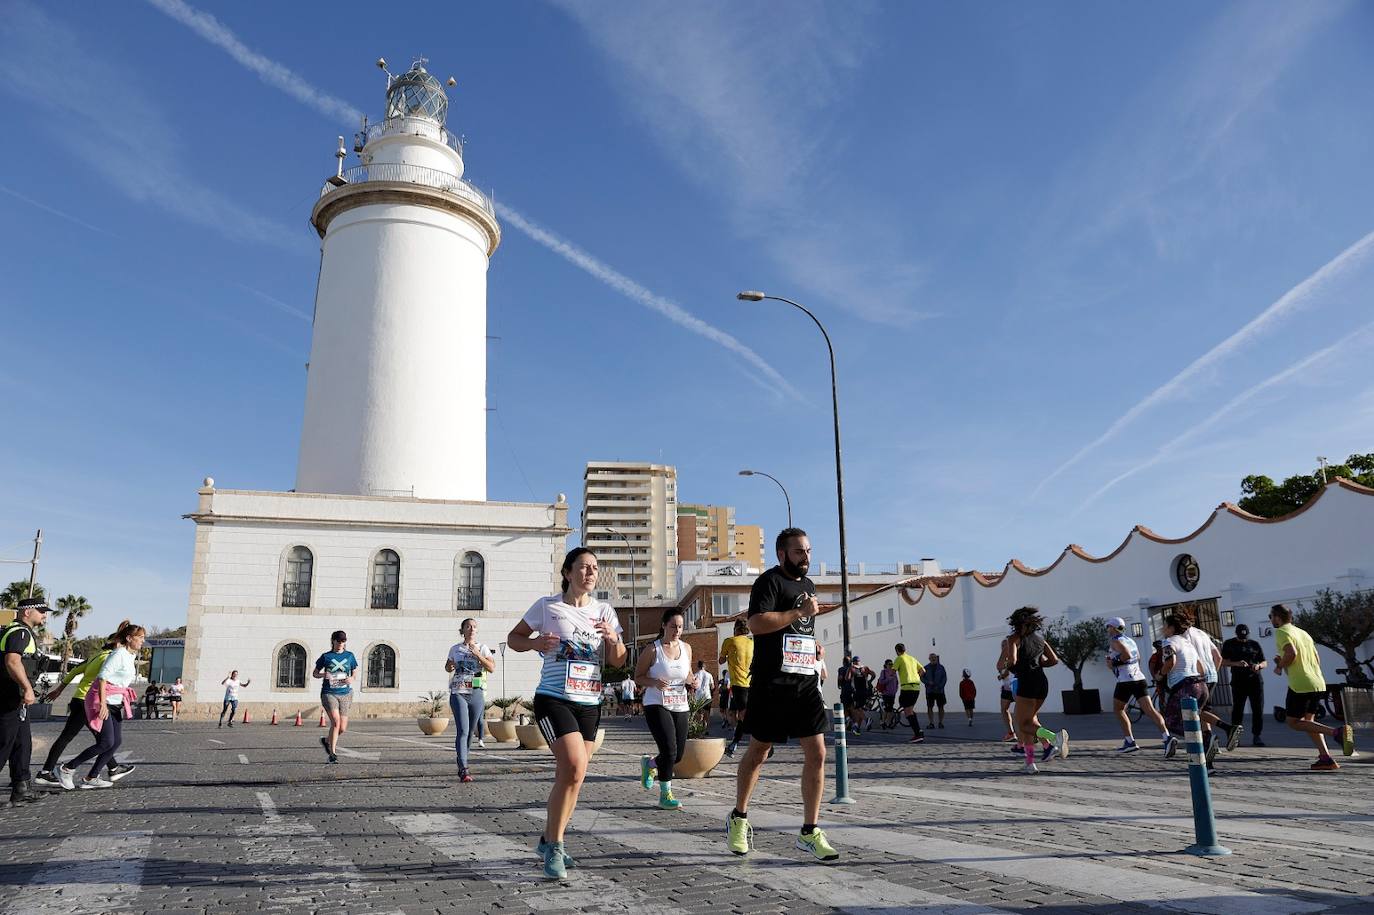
pixel 647 772
pixel 741 834
pixel 818 846
pixel 668 802
pixel 1348 740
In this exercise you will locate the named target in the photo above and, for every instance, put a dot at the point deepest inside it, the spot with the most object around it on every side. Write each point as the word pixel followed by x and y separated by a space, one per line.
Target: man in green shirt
pixel 1297 657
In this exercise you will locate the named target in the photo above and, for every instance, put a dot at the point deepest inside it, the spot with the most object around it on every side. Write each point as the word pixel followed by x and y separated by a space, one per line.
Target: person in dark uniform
pixel 784 690
pixel 19 650
pixel 1246 659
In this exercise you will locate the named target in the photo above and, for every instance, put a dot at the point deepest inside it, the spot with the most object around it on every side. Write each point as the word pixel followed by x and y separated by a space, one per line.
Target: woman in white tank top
pixel 666 675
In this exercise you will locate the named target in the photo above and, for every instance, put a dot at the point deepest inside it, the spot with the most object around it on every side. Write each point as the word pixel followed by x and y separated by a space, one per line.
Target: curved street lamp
pixel 634 606
pixel 751 295
pixel 760 473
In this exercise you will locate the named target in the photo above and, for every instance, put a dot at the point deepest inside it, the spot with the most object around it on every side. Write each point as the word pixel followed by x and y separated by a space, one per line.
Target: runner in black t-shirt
pixel 1245 657
pixel 784 696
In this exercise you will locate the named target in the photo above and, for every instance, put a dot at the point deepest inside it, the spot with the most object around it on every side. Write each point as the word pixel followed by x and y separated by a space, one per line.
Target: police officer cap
pixel 32 603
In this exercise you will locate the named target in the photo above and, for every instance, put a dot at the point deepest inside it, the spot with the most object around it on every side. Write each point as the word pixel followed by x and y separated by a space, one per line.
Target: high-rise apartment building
pixel 629 517
pixel 705 532
pixel 749 545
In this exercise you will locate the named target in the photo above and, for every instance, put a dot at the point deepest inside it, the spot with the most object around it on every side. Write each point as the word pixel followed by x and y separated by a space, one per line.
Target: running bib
pixel 675 697
pixel 798 654
pixel 460 683
pixel 582 681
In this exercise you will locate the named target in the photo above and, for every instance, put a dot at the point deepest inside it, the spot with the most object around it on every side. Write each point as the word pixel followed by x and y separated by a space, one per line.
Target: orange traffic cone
pixel 321 717
pixel 247 719
pixel 298 720
pixel 274 716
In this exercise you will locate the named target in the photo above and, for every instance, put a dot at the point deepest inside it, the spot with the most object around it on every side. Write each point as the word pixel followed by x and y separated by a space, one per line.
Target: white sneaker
pixel 481 744
pixel 96 782
pixel 64 777
pixel 1030 769
pixel 1062 745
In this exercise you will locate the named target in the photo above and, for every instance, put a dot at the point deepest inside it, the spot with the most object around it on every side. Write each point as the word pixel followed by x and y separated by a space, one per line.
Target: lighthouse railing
pixel 411 174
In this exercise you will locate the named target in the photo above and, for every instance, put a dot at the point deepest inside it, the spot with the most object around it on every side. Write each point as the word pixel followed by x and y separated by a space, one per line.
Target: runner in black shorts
pixel 1027 656
pixel 784 698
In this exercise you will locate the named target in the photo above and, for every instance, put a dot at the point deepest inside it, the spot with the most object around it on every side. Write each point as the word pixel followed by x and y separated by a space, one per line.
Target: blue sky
pixel 1085 265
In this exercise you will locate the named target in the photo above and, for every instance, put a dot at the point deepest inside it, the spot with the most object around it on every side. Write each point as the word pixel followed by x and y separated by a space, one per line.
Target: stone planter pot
pixel 703 754
pixel 432 727
pixel 601 737
pixel 530 737
pixel 501 731
pixel 1081 702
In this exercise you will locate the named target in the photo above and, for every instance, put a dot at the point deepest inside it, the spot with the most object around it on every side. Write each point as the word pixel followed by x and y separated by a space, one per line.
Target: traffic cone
pixel 274 716
pixel 298 720
pixel 321 717
pixel 247 719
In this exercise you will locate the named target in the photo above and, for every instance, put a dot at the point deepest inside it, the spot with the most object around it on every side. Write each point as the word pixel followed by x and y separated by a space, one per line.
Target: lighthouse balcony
pixel 407 126
pixel 400 172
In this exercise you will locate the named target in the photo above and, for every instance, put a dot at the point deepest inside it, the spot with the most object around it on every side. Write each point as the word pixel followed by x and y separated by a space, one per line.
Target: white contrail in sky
pixel 651 300
pixel 1293 371
pixel 1292 300
pixel 279 77
pixel 269 71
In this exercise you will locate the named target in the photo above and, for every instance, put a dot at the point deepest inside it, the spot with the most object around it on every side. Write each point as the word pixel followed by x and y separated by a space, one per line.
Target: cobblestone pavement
pixel 252 820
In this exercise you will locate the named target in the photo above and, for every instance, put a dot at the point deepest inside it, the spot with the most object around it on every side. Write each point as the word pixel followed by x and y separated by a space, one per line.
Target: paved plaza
pixel 252 820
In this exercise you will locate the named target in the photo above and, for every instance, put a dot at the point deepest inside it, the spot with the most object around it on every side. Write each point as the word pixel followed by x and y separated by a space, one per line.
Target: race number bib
pixel 460 683
pixel 582 682
pixel 675 697
pixel 798 654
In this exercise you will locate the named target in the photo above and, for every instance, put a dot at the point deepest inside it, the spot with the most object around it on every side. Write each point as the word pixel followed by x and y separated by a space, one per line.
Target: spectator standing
pixel 936 678
pixel 175 692
pixel 1245 657
pixel 968 692
pixel 887 688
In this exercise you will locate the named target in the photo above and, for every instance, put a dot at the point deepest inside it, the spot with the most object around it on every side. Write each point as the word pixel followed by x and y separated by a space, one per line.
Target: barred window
pixel 386 580
pixel 381 667
pixel 300 570
pixel 291 666
pixel 471 581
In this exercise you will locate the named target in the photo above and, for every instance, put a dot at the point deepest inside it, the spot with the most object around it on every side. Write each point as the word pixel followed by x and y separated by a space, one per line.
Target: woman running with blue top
pixel 466 663
pixel 666 675
pixel 572 632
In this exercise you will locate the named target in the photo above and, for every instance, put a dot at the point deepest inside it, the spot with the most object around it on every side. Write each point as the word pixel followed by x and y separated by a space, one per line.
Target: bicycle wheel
pixel 1135 711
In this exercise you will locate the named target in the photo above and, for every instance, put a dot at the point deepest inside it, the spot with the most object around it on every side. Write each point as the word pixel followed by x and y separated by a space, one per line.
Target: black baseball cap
pixel 338 636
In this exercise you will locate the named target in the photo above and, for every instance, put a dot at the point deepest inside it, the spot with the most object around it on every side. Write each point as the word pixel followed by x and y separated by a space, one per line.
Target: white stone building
pixel 1235 566
pixel 388 535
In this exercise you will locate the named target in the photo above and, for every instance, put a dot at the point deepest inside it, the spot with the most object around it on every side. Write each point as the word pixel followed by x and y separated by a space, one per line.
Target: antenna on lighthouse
pixel 340 154
pixel 381 65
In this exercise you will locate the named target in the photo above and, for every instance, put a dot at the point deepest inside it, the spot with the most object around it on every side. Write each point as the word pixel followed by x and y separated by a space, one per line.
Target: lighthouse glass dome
pixel 416 94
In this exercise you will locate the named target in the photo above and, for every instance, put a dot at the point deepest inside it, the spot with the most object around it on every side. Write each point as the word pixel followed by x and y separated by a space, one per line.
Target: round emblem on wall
pixel 1187 572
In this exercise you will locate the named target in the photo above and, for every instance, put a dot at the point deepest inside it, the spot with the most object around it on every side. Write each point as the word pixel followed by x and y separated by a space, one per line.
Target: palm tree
pixel 17 591
pixel 75 607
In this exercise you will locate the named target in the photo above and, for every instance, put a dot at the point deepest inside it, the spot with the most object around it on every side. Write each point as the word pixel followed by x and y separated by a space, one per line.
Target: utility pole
pixel 33 563
pixel 1322 461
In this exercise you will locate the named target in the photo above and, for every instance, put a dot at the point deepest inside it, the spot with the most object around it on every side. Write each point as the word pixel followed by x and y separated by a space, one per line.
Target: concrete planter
pixel 703 754
pixel 600 738
pixel 530 737
pixel 432 727
pixel 501 731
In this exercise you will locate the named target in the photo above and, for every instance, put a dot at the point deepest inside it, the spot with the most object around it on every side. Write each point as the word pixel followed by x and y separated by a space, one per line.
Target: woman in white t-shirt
pixel 1182 668
pixel 666 674
pixel 572 631
pixel 112 697
pixel 466 663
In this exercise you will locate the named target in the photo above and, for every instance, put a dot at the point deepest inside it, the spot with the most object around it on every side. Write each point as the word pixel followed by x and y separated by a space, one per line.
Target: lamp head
pixel 750 295
pixel 746 473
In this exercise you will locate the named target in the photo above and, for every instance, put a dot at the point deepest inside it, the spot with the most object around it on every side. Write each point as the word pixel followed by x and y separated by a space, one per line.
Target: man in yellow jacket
pixel 909 672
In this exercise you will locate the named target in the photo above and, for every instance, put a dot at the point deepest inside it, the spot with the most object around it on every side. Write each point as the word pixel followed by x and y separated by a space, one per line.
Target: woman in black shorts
pixel 1027 656
pixel 571 631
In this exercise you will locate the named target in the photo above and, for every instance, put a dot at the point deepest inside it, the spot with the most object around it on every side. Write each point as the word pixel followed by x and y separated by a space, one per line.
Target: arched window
pixel 381 667
pixel 291 666
pixel 386 581
pixel 300 569
pixel 471 574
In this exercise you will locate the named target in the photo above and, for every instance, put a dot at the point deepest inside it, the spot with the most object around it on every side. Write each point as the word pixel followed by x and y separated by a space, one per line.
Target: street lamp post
pixel 753 296
pixel 634 605
pixel 760 473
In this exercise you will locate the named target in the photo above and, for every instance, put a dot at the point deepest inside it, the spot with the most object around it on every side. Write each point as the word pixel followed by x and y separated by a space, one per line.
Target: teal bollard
pixel 1204 823
pixel 841 760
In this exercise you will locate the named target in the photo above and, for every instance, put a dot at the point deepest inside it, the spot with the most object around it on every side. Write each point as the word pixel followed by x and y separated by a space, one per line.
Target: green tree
pixel 1342 622
pixel 17 591
pixel 74 607
pixel 1077 643
pixel 1263 497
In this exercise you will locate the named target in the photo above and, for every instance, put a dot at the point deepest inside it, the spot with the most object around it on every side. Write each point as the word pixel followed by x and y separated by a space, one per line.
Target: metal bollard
pixel 1204 823
pixel 841 760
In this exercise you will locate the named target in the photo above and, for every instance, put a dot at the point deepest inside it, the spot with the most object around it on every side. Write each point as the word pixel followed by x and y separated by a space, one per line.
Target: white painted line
pixel 1147 888
pixel 213 740
pixel 834 887
pixel 373 756
pixel 491 856
pixel 243 759
pixel 110 869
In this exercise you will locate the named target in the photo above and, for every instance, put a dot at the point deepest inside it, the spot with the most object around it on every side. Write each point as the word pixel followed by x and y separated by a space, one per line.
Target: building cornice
pixel 371 193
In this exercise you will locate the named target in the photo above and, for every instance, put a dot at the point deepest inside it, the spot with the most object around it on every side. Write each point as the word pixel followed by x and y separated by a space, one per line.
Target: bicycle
pixel 1135 712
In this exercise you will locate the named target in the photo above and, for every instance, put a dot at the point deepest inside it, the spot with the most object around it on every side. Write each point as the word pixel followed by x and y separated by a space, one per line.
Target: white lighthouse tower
pixel 396 388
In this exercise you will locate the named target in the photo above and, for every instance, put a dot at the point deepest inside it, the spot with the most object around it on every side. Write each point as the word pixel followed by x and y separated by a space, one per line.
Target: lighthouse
pixel 396 385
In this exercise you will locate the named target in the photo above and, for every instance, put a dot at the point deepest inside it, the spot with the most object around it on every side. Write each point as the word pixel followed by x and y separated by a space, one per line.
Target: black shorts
pixel 968 705
pixel 934 698
pixel 1299 704
pixel 1007 695
pixel 739 698
pixel 907 698
pixel 889 702
pixel 1032 685
pixel 557 717
pixel 1129 689
pixel 779 712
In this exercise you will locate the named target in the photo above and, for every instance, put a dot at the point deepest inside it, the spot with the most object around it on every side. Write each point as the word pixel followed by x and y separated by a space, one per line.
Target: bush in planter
pixel 509 706
pixel 698 717
pixel 1077 644
pixel 433 705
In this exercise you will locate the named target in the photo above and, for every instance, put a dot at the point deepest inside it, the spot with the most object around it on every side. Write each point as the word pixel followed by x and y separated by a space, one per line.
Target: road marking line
pixel 213 740
pixel 834 887
pixel 243 759
pixel 1098 879
pixel 358 754
pixel 491 856
pixel 85 874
